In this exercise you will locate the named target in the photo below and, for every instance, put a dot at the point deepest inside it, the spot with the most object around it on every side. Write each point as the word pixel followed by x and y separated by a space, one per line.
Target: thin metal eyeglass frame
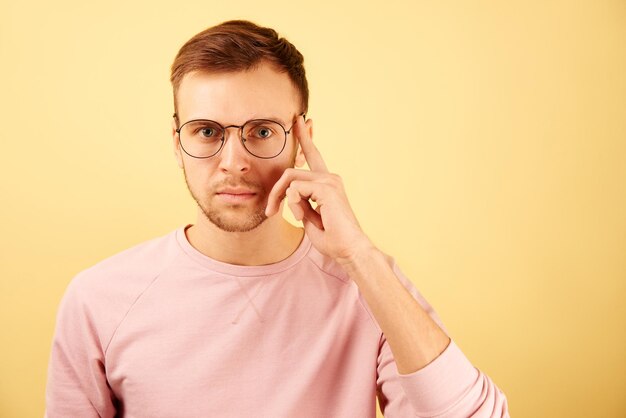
pixel 241 138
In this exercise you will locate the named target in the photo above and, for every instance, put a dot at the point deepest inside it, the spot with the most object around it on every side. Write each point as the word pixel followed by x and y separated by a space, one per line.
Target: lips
pixel 236 195
pixel 236 191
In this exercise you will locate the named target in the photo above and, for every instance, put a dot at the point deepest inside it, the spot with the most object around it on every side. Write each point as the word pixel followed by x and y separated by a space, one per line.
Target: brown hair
pixel 239 45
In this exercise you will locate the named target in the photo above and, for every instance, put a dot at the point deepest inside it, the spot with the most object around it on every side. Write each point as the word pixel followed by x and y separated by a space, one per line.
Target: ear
pixel 300 158
pixel 177 152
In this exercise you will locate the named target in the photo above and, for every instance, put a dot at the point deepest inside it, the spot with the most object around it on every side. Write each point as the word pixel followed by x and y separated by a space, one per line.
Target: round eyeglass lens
pixel 201 138
pixel 264 138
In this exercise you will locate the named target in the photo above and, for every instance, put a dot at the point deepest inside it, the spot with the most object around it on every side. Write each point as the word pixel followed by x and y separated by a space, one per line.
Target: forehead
pixel 235 97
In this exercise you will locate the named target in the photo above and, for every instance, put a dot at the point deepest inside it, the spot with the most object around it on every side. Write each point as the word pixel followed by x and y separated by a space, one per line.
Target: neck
pixel 271 242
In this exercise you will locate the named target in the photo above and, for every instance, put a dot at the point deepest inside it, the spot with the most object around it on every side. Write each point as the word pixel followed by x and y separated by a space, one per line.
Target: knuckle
pixel 334 179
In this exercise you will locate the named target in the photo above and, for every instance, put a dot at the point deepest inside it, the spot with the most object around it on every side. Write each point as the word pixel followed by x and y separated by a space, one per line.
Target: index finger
pixel 311 153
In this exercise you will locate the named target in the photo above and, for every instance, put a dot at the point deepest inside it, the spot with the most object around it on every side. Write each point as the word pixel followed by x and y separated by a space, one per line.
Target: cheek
pixel 276 170
pixel 199 175
pixel 274 174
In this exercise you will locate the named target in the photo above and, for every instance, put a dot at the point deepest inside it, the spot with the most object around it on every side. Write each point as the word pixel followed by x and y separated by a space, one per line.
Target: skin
pixel 255 233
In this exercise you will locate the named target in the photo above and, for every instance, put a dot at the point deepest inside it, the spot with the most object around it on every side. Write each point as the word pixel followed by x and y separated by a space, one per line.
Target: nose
pixel 233 156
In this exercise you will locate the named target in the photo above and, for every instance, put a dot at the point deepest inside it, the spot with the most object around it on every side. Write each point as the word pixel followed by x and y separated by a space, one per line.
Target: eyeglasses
pixel 263 138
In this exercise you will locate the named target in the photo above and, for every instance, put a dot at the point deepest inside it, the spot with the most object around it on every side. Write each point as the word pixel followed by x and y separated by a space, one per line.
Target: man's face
pixel 233 99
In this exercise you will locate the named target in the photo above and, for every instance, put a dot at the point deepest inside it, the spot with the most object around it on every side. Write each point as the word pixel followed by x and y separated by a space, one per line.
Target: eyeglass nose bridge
pixel 239 128
pixel 241 138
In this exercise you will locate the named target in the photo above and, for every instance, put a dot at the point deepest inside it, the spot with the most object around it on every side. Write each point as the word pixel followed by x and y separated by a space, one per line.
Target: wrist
pixel 359 254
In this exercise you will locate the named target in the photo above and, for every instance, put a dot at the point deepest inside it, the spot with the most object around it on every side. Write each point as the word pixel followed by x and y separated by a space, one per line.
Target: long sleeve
pixel 77 385
pixel 449 387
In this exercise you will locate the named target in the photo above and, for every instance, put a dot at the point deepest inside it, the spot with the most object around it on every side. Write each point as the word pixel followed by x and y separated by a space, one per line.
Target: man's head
pixel 232 73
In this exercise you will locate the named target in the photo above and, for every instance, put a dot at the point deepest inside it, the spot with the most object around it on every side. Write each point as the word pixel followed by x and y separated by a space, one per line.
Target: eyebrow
pixel 275 119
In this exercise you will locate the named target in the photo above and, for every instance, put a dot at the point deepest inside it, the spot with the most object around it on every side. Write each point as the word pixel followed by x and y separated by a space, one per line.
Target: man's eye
pixel 263 132
pixel 207 132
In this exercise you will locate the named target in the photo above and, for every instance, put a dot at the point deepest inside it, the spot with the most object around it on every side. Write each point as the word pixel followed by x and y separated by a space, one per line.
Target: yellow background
pixel 481 143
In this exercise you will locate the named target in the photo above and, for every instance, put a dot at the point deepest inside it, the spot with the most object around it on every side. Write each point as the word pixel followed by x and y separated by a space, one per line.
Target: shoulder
pixel 100 296
pixel 137 263
pixel 115 282
pixel 334 269
pixel 147 256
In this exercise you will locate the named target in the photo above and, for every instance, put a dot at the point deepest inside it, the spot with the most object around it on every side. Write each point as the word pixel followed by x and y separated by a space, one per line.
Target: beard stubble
pixel 235 218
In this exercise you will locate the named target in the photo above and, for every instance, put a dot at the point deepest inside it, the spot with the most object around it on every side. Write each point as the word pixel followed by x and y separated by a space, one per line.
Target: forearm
pixel 414 337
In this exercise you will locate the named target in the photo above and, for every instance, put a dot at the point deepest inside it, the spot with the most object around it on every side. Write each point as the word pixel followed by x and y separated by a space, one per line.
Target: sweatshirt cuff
pixel 442 383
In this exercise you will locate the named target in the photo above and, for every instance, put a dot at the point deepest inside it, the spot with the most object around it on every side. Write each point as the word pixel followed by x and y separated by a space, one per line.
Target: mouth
pixel 236 197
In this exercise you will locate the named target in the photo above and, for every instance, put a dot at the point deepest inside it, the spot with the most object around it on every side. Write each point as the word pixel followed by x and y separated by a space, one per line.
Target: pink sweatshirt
pixel 161 330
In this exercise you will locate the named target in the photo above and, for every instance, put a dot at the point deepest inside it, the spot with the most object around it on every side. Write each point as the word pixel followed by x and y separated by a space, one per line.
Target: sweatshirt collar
pixel 237 270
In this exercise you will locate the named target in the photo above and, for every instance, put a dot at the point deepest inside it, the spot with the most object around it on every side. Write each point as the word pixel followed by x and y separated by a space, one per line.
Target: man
pixel 243 314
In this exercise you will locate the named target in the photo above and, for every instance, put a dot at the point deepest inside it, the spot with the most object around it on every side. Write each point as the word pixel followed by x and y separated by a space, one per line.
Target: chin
pixel 236 223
